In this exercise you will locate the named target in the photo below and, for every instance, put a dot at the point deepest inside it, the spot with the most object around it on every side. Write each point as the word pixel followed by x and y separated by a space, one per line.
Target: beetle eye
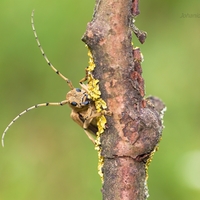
pixel 86 103
pixel 73 103
pixel 78 89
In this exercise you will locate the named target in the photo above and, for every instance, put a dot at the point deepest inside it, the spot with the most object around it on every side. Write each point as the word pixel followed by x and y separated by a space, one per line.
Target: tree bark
pixel 134 130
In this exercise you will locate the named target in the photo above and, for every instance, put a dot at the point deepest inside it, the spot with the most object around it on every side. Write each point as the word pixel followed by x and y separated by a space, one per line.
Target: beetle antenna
pixel 47 60
pixel 28 109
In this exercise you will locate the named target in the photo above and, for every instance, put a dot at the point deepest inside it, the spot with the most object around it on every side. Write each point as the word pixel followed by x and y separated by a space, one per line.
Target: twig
pixel 134 130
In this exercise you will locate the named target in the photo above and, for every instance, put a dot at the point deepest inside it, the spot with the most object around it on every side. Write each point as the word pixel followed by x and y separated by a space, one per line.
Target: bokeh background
pixel 46 155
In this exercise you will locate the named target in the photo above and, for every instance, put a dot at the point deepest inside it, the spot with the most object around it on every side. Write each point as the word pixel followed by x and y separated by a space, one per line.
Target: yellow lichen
pixel 101 124
pixel 151 158
pixel 91 62
pixel 94 93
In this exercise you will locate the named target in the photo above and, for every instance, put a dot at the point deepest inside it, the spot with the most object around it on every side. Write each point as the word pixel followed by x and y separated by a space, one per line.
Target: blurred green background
pixel 46 155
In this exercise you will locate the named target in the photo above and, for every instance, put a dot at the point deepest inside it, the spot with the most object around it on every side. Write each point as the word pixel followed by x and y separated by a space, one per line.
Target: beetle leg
pixel 89 136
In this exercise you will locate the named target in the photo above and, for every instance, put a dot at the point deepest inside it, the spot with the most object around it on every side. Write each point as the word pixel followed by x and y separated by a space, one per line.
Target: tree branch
pixel 134 130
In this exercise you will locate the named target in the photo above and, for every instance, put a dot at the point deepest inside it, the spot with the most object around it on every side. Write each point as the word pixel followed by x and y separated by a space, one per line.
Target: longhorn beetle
pixel 83 108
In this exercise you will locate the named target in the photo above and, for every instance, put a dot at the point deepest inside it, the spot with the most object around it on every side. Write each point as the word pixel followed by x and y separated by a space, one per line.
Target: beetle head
pixel 78 99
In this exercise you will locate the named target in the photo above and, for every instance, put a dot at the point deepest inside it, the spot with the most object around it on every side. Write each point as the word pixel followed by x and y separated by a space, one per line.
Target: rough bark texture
pixel 134 130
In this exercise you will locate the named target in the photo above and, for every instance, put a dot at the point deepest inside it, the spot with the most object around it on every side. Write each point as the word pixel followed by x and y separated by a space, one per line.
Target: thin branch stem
pixel 134 130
